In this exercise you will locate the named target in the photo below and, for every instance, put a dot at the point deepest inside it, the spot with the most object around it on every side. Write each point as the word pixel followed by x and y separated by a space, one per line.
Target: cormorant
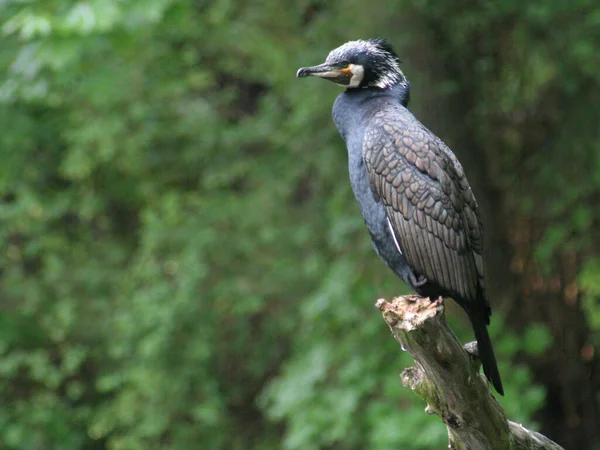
pixel 412 191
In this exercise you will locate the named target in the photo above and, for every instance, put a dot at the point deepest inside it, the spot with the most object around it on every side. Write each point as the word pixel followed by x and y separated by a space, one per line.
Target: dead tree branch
pixel 447 377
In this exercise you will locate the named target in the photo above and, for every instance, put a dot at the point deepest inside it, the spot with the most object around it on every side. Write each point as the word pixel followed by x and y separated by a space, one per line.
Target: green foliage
pixel 590 283
pixel 185 264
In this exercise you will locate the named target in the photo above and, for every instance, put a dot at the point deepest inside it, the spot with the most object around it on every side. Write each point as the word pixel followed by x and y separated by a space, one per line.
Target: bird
pixel 414 196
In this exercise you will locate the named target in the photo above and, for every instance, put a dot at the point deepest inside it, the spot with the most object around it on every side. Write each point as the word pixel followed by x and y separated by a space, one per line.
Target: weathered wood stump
pixel 446 376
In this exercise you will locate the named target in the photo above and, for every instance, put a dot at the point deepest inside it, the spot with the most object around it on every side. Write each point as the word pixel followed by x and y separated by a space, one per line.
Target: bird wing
pixel 428 201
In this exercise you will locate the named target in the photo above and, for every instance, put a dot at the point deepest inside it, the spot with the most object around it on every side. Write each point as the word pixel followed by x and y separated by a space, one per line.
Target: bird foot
pixel 417 282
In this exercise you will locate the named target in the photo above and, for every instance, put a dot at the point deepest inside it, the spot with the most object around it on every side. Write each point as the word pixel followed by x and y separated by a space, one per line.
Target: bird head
pixel 360 64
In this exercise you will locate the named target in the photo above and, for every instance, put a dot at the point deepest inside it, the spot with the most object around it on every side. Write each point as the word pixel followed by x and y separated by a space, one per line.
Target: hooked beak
pixel 328 71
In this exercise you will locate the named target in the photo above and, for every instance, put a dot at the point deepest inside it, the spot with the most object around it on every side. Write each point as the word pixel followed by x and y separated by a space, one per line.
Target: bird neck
pixel 400 91
pixel 353 107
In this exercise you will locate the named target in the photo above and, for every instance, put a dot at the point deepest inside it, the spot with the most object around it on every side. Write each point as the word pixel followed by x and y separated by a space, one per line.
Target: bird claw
pixel 417 282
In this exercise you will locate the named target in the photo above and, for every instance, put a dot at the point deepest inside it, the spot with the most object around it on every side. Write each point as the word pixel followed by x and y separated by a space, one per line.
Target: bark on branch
pixel 447 377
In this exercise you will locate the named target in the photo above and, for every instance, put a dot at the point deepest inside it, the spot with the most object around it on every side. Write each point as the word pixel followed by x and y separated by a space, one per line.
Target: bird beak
pixel 327 71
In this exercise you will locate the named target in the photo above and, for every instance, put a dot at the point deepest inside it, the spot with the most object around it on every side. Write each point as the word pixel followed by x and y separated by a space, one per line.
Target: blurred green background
pixel 183 264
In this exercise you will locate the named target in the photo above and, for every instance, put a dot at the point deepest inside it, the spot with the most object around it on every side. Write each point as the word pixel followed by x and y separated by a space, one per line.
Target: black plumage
pixel 412 191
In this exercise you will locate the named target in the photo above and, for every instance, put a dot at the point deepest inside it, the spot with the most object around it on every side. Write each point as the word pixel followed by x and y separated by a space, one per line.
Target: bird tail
pixel 486 351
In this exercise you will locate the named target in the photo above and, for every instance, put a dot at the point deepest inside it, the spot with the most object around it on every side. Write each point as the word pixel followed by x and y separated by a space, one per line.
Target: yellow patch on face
pixel 347 69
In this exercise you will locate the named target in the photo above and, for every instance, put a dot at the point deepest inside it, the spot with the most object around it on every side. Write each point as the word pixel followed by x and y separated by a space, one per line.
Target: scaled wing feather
pixel 428 201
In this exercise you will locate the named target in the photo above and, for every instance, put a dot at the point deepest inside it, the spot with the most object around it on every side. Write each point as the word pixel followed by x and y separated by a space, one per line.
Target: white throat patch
pixel 358 73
